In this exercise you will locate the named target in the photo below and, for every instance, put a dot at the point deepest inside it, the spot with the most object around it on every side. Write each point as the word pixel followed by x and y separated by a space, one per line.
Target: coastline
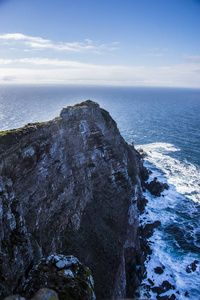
pixel 84 200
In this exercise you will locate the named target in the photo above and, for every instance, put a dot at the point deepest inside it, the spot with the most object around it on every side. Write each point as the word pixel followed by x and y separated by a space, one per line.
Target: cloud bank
pixel 38 70
pixel 39 43
pixel 25 69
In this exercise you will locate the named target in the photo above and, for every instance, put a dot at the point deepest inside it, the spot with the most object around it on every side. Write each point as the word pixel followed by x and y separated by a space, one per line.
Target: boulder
pixel 164 287
pixel 142 153
pixel 147 230
pixel 156 187
pixel 192 267
pixel 46 294
pixel 159 270
pixel 64 274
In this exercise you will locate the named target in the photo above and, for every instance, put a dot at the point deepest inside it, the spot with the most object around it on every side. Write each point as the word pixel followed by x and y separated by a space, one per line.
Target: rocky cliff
pixel 71 186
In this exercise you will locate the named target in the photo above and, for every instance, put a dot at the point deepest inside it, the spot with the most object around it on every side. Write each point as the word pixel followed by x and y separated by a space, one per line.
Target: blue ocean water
pixel 165 123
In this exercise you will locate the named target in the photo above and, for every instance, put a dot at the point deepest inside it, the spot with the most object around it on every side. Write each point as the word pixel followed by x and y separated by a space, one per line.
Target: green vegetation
pixel 11 131
pixel 22 129
pixel 12 136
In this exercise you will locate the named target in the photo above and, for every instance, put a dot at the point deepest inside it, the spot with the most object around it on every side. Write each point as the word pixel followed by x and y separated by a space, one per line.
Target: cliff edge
pixel 71 185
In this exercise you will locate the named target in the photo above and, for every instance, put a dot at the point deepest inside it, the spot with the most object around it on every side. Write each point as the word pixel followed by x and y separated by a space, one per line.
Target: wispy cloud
pixel 39 43
pixel 6 61
pixel 192 57
pixel 40 70
pixel 46 62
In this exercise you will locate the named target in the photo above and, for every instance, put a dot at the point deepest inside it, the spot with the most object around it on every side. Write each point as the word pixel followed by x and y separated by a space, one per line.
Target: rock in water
pixel 69 186
pixel 156 187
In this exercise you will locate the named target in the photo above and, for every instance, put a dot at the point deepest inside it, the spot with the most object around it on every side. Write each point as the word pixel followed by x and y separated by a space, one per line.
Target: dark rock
pixel 63 274
pixel 166 186
pixel 158 270
pixel 162 297
pixel 144 174
pixel 133 270
pixel 186 294
pixel 164 287
pixel 67 186
pixel 192 267
pixel 150 281
pixel 155 187
pixel 142 153
pixel 147 230
pixel 142 202
pixel 172 297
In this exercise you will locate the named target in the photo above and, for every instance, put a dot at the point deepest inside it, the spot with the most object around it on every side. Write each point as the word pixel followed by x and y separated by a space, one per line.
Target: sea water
pixel 166 124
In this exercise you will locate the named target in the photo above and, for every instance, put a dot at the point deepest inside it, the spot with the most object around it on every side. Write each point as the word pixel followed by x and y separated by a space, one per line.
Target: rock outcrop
pixel 156 187
pixel 71 186
pixel 63 274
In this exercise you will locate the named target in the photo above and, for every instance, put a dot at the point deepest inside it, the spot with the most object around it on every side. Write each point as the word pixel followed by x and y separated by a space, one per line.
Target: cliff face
pixel 70 186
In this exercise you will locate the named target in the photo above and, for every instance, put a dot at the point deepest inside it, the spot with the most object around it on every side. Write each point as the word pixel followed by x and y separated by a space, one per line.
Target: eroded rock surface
pixel 156 187
pixel 72 186
pixel 63 274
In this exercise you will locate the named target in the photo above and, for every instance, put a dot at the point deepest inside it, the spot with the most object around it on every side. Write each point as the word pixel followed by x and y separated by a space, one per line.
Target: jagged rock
pixel 159 270
pixel 69 186
pixel 150 281
pixel 142 203
pixel 142 153
pixel 147 230
pixel 63 274
pixel 156 188
pixel 164 287
pixel 192 267
pixel 144 173
pixel 133 263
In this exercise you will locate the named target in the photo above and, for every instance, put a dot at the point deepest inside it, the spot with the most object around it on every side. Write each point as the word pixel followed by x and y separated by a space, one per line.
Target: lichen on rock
pixel 63 274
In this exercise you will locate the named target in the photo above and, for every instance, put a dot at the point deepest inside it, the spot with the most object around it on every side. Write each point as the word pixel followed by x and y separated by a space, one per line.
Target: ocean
pixel 165 122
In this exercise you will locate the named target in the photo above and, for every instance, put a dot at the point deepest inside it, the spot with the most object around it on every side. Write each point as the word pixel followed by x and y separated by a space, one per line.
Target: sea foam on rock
pixel 71 185
pixel 156 187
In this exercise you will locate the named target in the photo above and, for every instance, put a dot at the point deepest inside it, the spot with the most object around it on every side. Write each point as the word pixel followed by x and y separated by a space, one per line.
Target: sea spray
pixel 176 243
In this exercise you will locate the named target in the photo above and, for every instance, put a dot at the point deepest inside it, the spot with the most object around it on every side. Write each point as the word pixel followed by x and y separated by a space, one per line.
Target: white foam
pixel 174 209
pixel 184 176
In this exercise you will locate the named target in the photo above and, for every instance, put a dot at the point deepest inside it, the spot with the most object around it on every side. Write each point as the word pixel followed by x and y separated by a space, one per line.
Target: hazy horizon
pixel 130 43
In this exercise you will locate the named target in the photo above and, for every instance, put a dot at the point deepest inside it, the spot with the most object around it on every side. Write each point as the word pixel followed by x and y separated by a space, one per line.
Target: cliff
pixel 71 185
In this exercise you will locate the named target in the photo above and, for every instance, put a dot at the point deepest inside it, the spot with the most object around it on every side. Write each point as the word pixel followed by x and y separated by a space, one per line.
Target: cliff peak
pixel 71 186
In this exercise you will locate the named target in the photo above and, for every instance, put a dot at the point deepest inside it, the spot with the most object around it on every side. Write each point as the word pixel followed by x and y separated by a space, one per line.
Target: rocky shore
pixel 71 186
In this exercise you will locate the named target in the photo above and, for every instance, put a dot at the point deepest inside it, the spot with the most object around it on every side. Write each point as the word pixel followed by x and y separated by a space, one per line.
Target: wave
pixel 183 175
pixel 176 243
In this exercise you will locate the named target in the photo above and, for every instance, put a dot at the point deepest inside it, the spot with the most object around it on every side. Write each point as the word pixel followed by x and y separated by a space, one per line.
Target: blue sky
pixel 107 42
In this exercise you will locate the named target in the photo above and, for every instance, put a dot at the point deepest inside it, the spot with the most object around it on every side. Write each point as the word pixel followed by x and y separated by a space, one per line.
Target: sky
pixel 100 42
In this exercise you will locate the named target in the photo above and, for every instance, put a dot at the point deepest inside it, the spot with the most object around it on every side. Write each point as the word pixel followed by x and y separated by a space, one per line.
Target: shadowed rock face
pixel 64 274
pixel 69 186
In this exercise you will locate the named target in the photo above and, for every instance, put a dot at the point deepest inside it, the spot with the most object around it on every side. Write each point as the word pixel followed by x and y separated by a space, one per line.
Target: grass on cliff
pixel 11 136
